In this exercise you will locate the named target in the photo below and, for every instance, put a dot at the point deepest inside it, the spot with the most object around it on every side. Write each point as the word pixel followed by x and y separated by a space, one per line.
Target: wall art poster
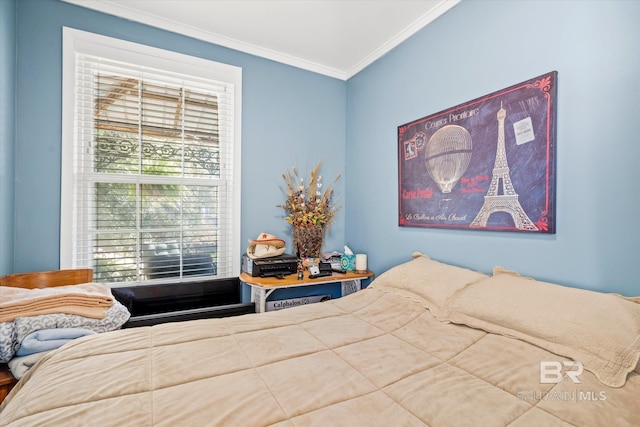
pixel 487 164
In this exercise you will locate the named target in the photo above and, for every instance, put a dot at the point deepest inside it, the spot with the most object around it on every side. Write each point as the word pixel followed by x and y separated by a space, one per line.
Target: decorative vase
pixel 308 241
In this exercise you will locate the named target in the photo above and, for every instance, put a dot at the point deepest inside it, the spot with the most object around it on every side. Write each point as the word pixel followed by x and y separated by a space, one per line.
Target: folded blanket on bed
pixel 8 341
pixel 20 365
pixel 14 332
pixel 49 339
pixel 88 300
pixel 117 315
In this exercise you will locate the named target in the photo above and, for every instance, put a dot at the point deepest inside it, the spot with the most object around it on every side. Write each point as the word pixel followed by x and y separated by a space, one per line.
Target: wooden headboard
pixel 46 279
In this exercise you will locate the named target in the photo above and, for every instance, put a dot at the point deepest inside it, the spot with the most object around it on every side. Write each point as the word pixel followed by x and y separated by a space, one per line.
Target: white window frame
pixel 77 41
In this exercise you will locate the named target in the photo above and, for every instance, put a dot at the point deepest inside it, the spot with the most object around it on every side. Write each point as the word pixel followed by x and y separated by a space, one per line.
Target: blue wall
pixel 290 117
pixel 7 130
pixel 482 46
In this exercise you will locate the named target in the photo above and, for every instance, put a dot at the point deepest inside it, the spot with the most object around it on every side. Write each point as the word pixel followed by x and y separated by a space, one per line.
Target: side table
pixel 262 287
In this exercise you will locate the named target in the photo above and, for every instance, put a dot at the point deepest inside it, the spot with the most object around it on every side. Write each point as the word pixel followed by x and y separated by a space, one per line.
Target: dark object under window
pixel 153 304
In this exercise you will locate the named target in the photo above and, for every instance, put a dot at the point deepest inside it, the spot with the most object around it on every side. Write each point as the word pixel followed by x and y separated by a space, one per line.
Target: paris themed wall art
pixel 487 164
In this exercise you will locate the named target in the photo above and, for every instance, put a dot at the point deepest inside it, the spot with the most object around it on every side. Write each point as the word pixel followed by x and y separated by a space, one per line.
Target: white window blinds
pixel 154 156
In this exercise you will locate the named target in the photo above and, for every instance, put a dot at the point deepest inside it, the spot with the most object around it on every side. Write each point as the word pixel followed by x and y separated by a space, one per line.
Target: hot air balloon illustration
pixel 448 155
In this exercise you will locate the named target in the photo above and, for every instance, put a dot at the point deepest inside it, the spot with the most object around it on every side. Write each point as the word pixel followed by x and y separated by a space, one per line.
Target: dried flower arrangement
pixel 309 210
pixel 308 205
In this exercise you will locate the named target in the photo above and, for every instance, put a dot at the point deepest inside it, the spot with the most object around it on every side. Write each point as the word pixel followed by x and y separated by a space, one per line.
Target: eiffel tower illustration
pixel 507 199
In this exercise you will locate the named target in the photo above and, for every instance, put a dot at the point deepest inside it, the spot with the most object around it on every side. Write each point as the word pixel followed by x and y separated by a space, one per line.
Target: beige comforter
pixel 373 358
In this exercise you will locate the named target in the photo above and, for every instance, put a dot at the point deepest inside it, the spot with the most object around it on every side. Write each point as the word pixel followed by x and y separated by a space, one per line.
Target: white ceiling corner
pixel 337 38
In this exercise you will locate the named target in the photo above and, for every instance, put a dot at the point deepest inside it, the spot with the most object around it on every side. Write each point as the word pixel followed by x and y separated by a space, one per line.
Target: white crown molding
pixel 118 9
pixel 407 32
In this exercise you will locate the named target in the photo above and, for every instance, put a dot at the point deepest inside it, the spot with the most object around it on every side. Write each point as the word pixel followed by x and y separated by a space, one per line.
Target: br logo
pixel 552 371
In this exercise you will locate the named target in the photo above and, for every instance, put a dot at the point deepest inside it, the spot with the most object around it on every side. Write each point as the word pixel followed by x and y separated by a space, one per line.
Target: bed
pixel 425 344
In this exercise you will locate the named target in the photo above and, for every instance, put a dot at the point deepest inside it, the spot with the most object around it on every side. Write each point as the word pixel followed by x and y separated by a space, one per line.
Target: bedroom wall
pixel 482 46
pixel 7 130
pixel 296 117
pixel 290 117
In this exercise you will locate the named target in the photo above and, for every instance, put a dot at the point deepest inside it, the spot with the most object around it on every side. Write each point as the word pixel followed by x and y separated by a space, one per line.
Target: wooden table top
pixel 292 279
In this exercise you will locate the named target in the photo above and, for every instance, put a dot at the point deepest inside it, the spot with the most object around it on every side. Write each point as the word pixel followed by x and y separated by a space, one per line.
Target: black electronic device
pixel 281 265
pixel 321 270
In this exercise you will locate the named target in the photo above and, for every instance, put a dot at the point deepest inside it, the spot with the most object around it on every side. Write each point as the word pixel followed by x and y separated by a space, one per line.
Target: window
pixel 151 162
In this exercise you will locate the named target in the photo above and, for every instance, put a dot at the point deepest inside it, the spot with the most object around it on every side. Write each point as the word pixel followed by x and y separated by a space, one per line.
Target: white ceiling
pixel 337 38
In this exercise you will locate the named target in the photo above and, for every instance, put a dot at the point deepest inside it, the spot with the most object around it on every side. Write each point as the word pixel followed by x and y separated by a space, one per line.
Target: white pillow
pixel 426 281
pixel 602 331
